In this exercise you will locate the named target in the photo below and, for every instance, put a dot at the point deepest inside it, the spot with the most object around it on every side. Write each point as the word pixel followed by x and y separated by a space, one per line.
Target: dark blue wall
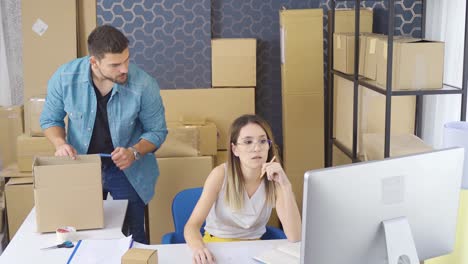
pixel 170 39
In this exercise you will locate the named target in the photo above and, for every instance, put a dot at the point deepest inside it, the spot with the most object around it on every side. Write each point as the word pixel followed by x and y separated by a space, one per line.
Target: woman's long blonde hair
pixel 235 185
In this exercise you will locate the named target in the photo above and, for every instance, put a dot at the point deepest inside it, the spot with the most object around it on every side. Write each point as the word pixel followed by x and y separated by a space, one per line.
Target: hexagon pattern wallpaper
pixel 171 39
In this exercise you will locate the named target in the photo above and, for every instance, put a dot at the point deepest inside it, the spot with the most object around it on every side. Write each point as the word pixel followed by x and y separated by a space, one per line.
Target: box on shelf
pixel 185 140
pixel 369 51
pixel 344 20
pixel 417 64
pixel 403 144
pixel 234 62
pixel 343 53
pixel 68 192
pixel 371 112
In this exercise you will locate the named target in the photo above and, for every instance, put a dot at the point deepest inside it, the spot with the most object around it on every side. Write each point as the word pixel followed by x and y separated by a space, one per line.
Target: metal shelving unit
pixel 387 91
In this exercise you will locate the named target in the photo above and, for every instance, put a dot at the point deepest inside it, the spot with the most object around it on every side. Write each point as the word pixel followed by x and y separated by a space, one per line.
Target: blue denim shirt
pixel 135 111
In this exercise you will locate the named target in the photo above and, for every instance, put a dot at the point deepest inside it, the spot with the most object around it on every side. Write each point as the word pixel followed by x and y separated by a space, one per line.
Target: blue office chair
pixel 182 206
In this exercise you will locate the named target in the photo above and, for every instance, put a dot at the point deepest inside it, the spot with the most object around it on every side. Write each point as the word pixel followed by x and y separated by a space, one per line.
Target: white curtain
pixel 445 21
pixel 11 67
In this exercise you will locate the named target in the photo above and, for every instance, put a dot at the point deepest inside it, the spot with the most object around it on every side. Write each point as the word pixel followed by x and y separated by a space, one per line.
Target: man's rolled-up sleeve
pixel 152 116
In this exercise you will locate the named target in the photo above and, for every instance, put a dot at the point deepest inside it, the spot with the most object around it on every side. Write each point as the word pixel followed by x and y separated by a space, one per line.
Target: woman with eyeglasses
pixel 238 196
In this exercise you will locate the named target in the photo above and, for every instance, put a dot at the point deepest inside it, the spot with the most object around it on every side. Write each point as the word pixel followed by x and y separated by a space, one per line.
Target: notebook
pixel 288 253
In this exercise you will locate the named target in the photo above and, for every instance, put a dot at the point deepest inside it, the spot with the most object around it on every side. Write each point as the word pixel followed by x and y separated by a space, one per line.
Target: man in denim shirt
pixel 114 108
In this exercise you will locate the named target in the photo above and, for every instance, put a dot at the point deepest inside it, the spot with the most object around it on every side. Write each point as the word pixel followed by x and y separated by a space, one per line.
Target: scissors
pixel 66 244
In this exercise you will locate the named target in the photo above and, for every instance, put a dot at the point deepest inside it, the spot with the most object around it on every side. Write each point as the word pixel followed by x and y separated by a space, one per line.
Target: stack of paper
pixel 100 251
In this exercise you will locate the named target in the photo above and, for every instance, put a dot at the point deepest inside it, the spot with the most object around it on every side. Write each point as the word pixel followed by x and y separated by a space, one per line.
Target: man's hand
pixel 66 150
pixel 122 157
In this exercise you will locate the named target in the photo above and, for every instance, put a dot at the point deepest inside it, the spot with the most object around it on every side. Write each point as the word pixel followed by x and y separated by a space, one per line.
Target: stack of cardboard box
pixel 18 189
pixel 198 125
pixel 52 33
pixel 417 64
pixel 302 94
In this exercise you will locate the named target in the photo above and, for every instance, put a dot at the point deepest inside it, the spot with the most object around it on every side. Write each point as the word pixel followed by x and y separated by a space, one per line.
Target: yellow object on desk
pixel 460 252
pixel 207 238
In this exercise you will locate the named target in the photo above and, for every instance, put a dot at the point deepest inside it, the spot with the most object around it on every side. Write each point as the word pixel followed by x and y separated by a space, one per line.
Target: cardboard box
pixel 301 51
pixel 340 158
pixel 303 139
pixel 11 123
pixel 369 64
pixel 12 171
pixel 49 35
pixel 87 22
pixel 189 140
pixel 221 157
pixel 234 62
pixel 218 105
pixel 32 114
pixel 417 64
pixel 19 199
pixel 302 92
pixel 343 111
pixel 371 113
pixel 140 256
pixel 68 192
pixel 343 53
pixel 344 20
pixel 176 174
pixel 29 147
pixel 404 144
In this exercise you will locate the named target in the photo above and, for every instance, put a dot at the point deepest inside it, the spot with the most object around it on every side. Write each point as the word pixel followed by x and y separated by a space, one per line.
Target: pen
pixel 105 155
pixel 263 173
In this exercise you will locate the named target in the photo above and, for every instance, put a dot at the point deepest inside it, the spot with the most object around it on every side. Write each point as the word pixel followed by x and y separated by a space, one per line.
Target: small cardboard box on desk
pixel 140 256
pixel 68 192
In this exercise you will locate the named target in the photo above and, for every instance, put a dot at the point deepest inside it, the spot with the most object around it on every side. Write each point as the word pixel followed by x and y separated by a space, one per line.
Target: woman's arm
pixel 286 206
pixel 208 197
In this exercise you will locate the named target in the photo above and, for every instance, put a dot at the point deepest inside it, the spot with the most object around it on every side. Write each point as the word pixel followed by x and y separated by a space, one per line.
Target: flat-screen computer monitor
pixel 352 213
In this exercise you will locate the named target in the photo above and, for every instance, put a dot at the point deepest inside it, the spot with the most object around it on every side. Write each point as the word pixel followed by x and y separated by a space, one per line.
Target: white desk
pixel 224 252
pixel 26 244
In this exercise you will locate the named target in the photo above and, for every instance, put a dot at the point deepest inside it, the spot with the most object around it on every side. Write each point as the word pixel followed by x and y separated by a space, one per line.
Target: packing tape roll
pixel 65 234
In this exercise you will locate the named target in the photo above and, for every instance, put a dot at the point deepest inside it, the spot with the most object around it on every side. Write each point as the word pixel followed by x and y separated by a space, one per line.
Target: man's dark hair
pixel 106 39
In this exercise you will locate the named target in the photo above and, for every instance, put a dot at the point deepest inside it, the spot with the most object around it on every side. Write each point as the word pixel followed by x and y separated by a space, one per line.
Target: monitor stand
pixel 400 243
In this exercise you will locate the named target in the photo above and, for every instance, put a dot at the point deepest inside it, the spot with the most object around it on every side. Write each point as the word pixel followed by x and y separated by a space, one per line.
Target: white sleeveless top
pixel 247 223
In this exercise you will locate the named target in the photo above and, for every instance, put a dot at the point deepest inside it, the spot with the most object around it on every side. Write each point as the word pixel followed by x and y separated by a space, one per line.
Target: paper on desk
pixel 287 253
pixel 456 135
pixel 100 251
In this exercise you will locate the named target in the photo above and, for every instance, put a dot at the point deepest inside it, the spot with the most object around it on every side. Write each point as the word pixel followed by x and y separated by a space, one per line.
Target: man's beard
pixel 115 80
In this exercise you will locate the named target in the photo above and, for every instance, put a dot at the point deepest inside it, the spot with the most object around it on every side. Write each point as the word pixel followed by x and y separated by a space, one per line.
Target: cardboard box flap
pixel 58 161
pixel 12 170
pixel 20 181
pixel 63 171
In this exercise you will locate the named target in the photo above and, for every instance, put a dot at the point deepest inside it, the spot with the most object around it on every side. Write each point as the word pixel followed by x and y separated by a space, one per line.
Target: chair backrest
pixel 182 206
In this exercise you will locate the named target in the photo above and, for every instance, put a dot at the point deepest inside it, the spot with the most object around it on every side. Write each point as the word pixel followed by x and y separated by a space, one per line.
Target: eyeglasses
pixel 249 144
